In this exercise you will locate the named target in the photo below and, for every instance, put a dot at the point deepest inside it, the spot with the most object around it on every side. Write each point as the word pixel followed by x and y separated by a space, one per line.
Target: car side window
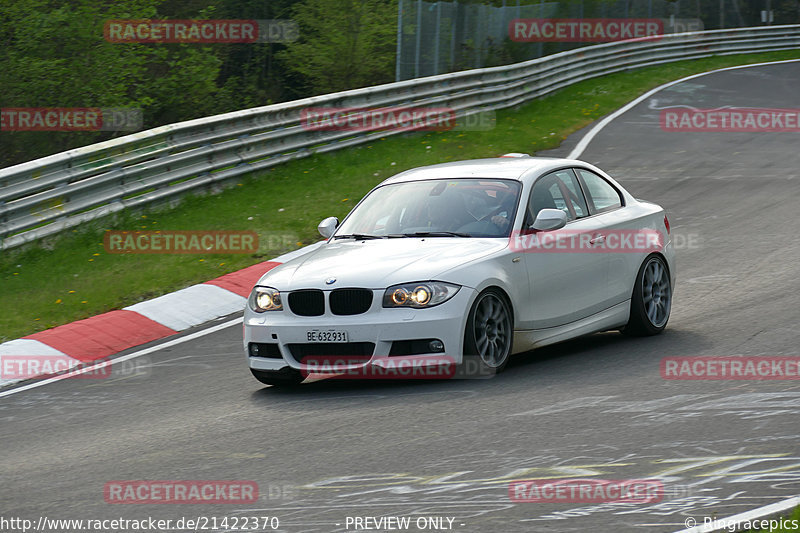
pixel 557 190
pixel 601 195
pixel 574 193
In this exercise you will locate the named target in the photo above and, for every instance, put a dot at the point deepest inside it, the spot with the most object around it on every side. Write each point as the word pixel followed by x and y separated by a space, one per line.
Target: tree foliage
pixel 53 54
pixel 343 43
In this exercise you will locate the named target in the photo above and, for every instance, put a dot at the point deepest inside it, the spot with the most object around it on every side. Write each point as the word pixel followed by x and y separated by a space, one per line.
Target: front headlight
pixel 419 295
pixel 265 299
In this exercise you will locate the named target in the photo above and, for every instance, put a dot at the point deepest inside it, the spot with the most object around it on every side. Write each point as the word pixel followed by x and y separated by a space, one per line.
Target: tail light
pixel 666 223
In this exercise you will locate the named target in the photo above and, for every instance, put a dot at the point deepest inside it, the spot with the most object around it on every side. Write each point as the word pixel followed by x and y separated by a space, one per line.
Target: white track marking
pixel 760 513
pixel 127 357
pixel 586 139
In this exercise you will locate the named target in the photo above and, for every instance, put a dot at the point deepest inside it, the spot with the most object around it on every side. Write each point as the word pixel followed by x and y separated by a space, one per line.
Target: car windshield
pixel 463 207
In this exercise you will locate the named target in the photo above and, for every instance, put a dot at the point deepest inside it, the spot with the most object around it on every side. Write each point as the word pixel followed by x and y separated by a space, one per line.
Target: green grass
pixel 794 516
pixel 70 276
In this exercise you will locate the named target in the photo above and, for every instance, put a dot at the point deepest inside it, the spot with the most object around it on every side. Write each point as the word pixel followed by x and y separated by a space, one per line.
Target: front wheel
pixel 489 333
pixel 652 299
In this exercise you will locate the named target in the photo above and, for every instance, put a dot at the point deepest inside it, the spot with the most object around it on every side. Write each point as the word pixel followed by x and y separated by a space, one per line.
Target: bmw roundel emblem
pixel 330 281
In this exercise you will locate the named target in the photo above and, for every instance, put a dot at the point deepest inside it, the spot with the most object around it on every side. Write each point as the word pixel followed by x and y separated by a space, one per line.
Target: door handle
pixel 597 239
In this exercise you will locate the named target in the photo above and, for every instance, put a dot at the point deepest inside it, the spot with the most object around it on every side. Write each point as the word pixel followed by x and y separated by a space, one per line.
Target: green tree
pixel 53 54
pixel 343 44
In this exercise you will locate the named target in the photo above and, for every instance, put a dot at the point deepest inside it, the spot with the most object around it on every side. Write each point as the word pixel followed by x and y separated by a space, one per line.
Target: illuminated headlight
pixel 419 295
pixel 265 299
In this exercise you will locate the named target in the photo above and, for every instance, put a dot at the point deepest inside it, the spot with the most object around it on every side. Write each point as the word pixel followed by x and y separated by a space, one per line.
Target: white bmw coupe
pixel 471 260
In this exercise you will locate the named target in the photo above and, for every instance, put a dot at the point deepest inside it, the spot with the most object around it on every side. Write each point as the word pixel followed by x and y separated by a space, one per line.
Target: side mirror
pixel 549 220
pixel 328 226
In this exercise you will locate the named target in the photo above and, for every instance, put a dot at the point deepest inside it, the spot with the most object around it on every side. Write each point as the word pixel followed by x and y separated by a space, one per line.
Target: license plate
pixel 329 335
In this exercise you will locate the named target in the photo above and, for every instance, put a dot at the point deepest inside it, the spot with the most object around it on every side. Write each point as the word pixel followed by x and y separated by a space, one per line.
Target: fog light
pixel 436 346
pixel 253 349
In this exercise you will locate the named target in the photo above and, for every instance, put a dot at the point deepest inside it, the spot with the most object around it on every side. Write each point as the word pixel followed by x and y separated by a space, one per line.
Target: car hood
pixel 378 263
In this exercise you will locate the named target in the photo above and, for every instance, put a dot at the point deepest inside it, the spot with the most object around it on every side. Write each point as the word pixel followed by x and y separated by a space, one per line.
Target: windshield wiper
pixel 359 236
pixel 432 234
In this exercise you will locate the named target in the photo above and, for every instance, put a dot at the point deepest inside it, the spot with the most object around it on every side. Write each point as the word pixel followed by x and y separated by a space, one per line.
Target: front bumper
pixel 379 326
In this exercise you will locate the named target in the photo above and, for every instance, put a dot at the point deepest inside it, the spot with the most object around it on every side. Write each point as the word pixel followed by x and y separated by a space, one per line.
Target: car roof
pixel 513 168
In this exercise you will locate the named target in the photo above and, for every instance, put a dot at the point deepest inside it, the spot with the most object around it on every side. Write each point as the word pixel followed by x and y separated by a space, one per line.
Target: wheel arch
pixel 496 284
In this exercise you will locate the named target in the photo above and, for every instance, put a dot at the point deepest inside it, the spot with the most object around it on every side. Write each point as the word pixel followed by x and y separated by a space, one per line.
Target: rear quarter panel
pixel 624 266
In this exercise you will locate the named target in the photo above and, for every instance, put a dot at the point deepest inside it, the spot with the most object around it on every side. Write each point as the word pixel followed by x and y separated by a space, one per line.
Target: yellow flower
pixel 58 301
pixel 71 292
pixel 84 301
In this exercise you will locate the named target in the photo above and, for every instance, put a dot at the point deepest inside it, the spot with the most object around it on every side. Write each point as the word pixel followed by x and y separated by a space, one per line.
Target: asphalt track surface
pixel 594 407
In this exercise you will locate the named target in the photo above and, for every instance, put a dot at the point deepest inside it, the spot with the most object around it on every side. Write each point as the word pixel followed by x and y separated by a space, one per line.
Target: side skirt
pixel 611 318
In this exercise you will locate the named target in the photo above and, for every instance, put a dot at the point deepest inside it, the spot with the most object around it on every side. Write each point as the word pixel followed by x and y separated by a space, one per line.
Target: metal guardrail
pixel 48 195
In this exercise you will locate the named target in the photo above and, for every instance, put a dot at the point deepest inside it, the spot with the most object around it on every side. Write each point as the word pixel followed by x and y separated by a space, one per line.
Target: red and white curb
pixel 97 337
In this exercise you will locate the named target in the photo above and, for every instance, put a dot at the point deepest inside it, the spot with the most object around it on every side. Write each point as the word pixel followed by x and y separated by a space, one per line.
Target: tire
pixel 652 299
pixel 285 377
pixel 489 335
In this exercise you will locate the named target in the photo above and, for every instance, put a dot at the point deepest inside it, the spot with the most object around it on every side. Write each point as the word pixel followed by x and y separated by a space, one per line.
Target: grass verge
pixel 70 276
pixel 782 525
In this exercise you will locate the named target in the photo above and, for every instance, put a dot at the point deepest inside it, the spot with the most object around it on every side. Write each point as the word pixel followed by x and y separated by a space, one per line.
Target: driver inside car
pixel 503 219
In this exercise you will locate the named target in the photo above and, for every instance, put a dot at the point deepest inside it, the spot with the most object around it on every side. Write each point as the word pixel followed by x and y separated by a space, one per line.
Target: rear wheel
pixel 285 377
pixel 489 333
pixel 652 299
